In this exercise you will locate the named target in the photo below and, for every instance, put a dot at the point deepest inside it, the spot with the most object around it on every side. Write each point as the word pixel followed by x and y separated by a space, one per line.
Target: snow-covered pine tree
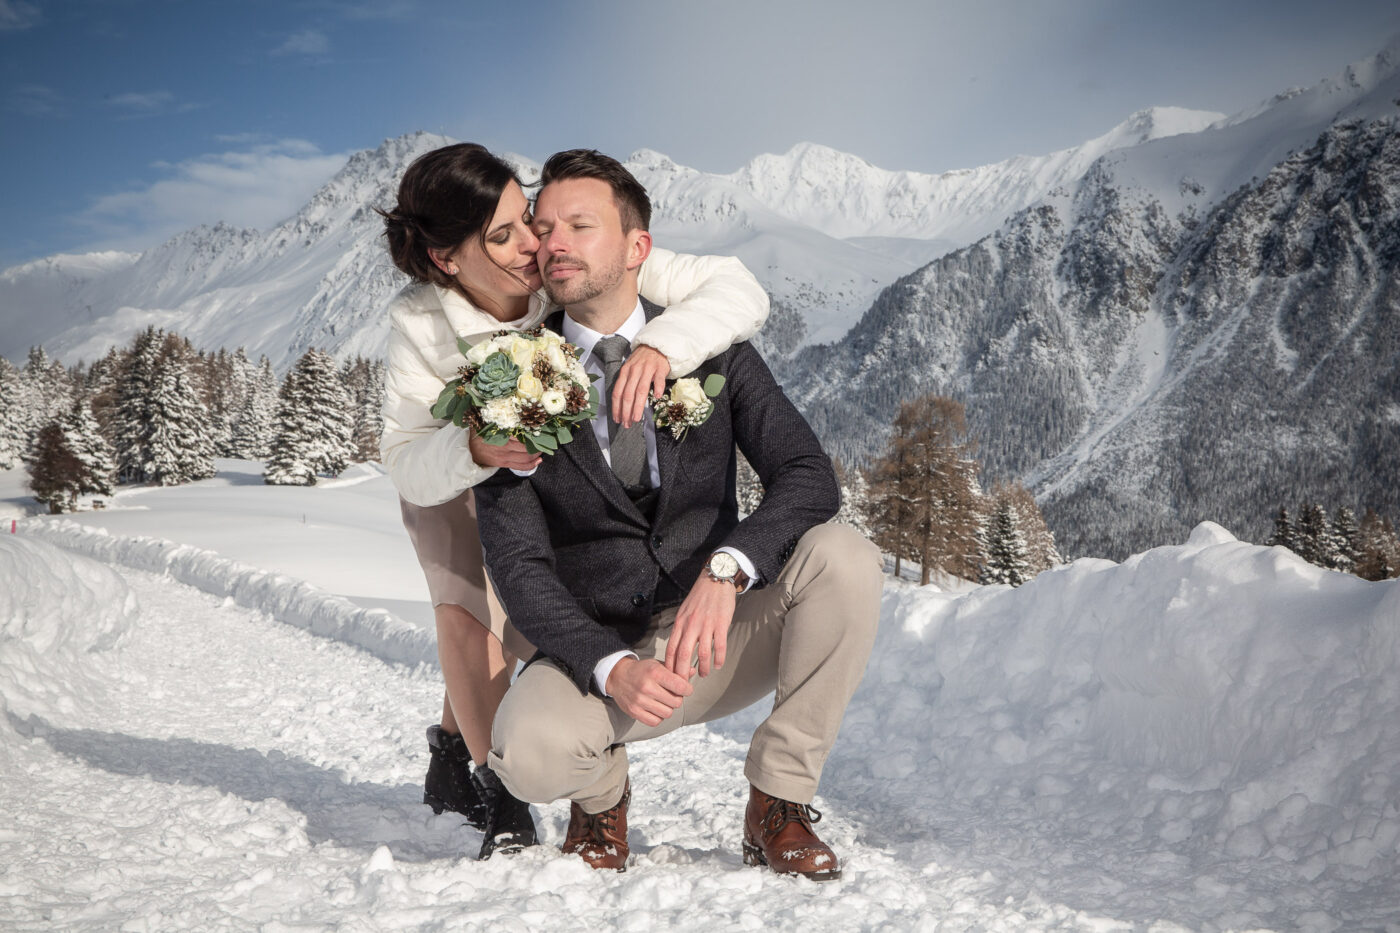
pixel 14 421
pixel 1041 552
pixel 1311 536
pixel 1006 556
pixel 364 380
pixel 1342 544
pixel 313 423
pixel 1283 530
pixel 97 466
pixel 131 421
pixel 854 493
pixel 256 419
pixel 100 389
pixel 180 449
pixel 48 392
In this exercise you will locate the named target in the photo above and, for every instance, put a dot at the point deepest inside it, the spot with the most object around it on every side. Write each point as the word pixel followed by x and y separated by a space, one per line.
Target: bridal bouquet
pixel 686 404
pixel 527 385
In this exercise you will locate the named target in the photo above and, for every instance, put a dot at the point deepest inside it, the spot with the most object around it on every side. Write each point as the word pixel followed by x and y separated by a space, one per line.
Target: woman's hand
pixel 645 370
pixel 512 455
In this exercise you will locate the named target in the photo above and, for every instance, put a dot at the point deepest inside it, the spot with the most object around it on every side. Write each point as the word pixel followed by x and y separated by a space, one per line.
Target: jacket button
pixel 639 600
pixel 656 541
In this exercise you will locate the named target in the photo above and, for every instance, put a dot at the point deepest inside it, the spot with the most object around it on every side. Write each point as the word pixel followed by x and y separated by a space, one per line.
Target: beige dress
pixel 448 546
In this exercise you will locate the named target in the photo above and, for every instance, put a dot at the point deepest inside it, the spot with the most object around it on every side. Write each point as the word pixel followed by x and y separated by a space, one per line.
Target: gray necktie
pixel 627 447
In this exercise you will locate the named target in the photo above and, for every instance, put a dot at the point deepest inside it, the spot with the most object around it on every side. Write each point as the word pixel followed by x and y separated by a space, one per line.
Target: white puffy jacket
pixel 712 303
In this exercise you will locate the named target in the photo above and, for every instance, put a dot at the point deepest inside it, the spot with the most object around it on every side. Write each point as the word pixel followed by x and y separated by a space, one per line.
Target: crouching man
pixel 623 559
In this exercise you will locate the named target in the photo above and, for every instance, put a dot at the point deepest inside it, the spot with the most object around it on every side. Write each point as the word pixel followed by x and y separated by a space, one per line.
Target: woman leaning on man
pixel 461 232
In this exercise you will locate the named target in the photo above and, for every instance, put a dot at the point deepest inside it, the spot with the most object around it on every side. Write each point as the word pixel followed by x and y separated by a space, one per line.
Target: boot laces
pixel 781 812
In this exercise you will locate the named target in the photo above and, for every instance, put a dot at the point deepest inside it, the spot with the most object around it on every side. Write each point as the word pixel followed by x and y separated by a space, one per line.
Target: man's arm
pixel 800 492
pixel 799 485
pixel 515 539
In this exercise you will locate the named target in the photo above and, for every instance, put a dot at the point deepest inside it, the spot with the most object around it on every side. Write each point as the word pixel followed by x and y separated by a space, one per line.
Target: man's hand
pixel 646 369
pixel 512 455
pixel 646 690
pixel 702 626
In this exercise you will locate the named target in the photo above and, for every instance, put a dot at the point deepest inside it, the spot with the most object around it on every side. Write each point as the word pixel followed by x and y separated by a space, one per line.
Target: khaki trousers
pixel 806 635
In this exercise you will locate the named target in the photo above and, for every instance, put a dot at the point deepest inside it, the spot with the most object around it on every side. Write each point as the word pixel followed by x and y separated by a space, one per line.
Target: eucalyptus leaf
pixel 463 346
pixel 714 384
pixel 563 434
pixel 439 409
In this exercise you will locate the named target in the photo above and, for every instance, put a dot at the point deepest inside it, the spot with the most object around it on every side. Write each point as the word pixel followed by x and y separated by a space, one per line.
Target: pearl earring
pixel 452 269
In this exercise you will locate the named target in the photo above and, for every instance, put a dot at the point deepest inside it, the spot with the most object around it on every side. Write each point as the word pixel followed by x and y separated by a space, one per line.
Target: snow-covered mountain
pixel 321 278
pixel 1202 326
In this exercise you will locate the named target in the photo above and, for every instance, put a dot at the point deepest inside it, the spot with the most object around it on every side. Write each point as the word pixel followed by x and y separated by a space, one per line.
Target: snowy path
pixel 225 771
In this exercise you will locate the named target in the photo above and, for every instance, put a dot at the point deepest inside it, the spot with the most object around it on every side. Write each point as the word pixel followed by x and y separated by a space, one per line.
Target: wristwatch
pixel 723 567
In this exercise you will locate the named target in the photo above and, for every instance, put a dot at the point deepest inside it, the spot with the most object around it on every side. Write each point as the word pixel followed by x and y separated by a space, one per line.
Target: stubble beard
pixel 587 285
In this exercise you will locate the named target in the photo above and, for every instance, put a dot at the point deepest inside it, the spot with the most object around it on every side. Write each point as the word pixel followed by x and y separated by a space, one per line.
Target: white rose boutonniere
pixel 687 404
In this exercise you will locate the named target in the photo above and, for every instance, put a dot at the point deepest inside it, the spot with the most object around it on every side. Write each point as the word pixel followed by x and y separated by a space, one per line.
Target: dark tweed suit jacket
pixel 580 568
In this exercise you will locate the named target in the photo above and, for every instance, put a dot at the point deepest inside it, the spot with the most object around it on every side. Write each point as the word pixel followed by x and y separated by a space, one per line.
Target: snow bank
pixel 1212 700
pixel 284 598
pixel 54 609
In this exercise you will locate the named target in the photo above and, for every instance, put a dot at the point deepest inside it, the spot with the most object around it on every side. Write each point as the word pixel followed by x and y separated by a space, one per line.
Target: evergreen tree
pixel 14 421
pixel 54 469
pixel 1041 552
pixel 364 380
pixel 854 496
pixel 313 423
pixel 131 422
pixel 1283 531
pixel 1312 534
pixel 180 448
pixel 97 466
pixel 1007 558
pixel 1342 544
pixel 256 419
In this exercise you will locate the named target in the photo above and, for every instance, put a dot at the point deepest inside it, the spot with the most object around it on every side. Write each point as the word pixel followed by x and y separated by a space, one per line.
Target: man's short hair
pixel 632 202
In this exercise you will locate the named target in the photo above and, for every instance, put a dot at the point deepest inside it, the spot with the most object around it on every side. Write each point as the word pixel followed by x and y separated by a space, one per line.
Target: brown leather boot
pixel 600 838
pixel 778 833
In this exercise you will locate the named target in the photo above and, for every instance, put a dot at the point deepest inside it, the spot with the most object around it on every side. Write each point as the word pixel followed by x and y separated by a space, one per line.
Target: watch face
pixel 724 565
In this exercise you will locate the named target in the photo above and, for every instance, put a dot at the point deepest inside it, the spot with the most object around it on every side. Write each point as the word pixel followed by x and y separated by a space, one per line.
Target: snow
pixel 1206 736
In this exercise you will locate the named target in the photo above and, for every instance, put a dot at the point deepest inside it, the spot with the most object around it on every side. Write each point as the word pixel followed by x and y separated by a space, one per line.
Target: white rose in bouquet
pixel 527 386
pixel 478 353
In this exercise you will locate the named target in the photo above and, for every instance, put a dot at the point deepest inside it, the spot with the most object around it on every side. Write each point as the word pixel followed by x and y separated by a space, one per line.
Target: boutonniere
pixel 686 404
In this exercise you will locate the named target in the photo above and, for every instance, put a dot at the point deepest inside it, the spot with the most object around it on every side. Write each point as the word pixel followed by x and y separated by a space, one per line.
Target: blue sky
pixel 124 121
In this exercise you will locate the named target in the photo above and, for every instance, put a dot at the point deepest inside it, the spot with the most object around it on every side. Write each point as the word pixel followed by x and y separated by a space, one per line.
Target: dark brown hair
pixel 632 201
pixel 446 197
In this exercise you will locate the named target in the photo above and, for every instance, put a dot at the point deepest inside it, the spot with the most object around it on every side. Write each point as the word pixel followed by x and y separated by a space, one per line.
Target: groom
pixel 624 560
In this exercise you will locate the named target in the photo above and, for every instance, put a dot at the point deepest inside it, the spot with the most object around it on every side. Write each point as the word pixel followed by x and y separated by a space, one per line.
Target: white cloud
pixel 142 103
pixel 256 187
pixel 34 100
pixel 311 42
pixel 16 15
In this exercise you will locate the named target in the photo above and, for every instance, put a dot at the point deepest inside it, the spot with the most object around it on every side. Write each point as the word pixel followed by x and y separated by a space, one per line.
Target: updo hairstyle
pixel 446 196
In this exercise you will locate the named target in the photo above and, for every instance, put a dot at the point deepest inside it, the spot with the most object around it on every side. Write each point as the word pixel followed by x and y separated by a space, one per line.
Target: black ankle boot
pixel 509 826
pixel 449 784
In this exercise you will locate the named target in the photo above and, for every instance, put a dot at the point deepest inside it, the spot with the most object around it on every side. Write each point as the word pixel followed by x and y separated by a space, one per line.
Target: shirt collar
pixel 585 338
